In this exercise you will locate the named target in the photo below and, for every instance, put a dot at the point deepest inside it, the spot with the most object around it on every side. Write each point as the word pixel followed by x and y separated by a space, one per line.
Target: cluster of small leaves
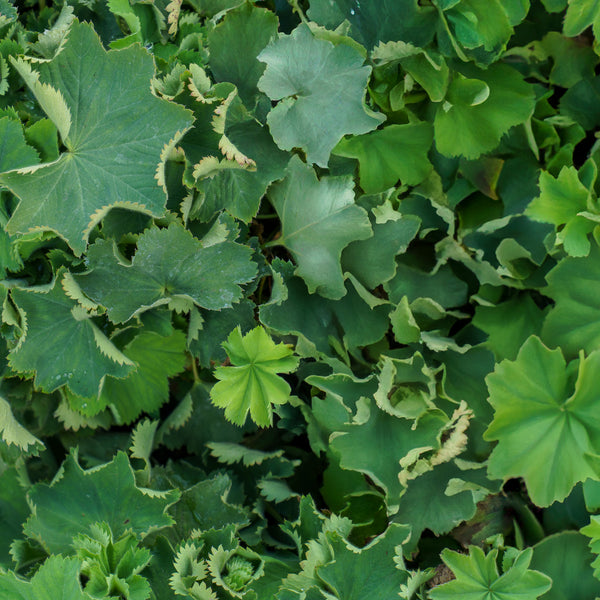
pixel 300 299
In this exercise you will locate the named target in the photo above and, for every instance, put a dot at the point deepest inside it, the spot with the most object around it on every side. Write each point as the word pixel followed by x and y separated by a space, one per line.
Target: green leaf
pixel 170 266
pixel 443 286
pixel 574 321
pixel 56 326
pixel 378 20
pixel 547 433
pixel 235 43
pixel 205 506
pixel 468 123
pixel 371 261
pixel 240 191
pixel 477 577
pixel 334 220
pixel 114 130
pixel 252 384
pixel 78 499
pixel 426 505
pixel 560 202
pixel 480 23
pixel 374 435
pixel 509 324
pixel 146 389
pixel 372 571
pixel 580 102
pixel 12 432
pixel 572 61
pixel 56 579
pixel 14 152
pixel 396 152
pixel 306 117
pixel 216 326
pixel 13 512
pixel 43 136
pixel 566 558
pixel 356 320
pixel 196 421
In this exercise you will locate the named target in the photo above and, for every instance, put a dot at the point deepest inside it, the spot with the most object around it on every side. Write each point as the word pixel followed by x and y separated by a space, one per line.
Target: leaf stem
pixel 195 370
pixel 296 8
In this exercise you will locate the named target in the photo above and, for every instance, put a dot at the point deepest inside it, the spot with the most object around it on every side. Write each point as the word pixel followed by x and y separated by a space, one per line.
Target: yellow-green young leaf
pixel 251 384
pixel 593 532
pixel 389 154
pixel 560 202
pixel 477 578
pixel 474 116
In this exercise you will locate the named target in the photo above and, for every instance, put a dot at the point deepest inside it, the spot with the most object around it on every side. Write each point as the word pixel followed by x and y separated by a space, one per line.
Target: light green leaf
pixel 252 384
pixel 114 130
pixel 477 577
pixel 593 532
pixel 480 23
pixel 509 324
pixel 318 219
pixel 170 265
pixel 306 117
pixel 56 579
pixel 574 321
pixel 235 43
pixel 560 202
pixel 580 15
pixel 566 558
pixel 62 345
pixel 547 433
pixel 78 499
pixel 427 67
pixel 146 389
pixel 468 123
pixel 396 152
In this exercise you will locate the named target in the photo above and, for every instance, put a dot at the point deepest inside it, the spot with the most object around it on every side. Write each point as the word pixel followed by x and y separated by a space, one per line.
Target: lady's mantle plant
pixel 299 300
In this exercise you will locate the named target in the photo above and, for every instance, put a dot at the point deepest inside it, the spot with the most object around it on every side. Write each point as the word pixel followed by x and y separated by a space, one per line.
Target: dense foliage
pixel 300 301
